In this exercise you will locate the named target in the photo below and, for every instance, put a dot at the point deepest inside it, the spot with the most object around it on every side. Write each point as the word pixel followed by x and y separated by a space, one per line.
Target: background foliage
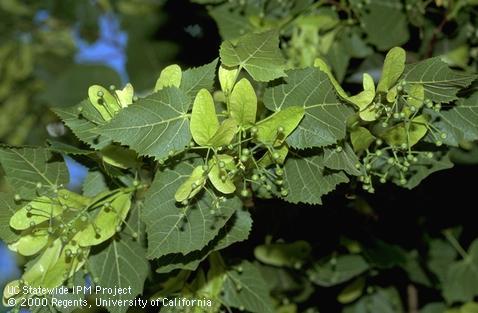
pixel 281 166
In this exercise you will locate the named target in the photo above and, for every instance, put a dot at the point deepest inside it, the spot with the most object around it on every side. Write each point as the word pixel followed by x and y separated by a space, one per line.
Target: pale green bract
pixel 170 77
pixel 243 103
pixel 393 67
pixel 204 122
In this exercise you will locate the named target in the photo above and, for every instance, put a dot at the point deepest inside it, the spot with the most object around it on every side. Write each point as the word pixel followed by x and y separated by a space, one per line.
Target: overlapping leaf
pixel 175 228
pixel 26 167
pixel 306 179
pixel 325 116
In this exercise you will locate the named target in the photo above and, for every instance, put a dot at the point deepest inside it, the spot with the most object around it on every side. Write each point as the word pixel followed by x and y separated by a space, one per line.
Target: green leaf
pixel 361 138
pixel 84 125
pixel 243 103
pixel 337 270
pixel 440 256
pixel 7 209
pixel 118 156
pixel 26 167
pixel 257 53
pixel 94 184
pixel 288 119
pixel 230 20
pixel 237 229
pixel 461 122
pixel 204 122
pixel 440 82
pixel 160 124
pixel 122 264
pixel 389 18
pixel 197 78
pixel 425 167
pixel 292 254
pixel 343 159
pixel 176 228
pixel 325 116
pixel 170 77
pixel 306 179
pixel 393 68
pixel 461 281
pixel 253 293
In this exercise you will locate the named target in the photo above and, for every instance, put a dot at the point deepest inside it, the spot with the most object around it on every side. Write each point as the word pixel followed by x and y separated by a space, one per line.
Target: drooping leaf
pixel 393 67
pixel 243 103
pixel 245 288
pixel 160 124
pixel 425 167
pixel 237 229
pixel 440 82
pixel 176 228
pixel 26 167
pixel 461 122
pixel 342 159
pixel 83 120
pixel 257 53
pixel 337 270
pixel 204 122
pixel 306 179
pixel 325 116
pixel 122 264
pixel 170 77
